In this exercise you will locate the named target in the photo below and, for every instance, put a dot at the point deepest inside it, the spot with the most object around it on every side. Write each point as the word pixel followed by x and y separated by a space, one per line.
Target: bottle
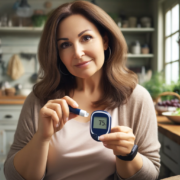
pixel 136 48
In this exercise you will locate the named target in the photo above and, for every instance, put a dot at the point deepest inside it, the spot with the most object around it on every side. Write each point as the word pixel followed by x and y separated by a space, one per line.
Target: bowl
pixel 161 109
pixel 174 118
pixel 25 92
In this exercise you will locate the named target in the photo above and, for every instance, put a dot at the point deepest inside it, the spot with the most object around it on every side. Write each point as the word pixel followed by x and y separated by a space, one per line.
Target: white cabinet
pixel 9 115
pixel 170 153
pixel 2 159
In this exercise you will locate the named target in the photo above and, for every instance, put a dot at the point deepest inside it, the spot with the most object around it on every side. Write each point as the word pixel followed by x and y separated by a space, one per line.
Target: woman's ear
pixel 105 41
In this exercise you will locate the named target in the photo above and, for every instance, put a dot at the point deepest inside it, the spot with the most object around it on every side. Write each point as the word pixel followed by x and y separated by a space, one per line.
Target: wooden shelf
pixel 9 100
pixel 39 29
pixel 137 29
pixel 21 29
pixel 140 55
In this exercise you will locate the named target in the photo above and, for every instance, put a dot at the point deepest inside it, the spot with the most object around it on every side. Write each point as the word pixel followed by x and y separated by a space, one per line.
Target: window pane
pixel 168 73
pixel 175 71
pixel 175 47
pixel 168 49
pixel 168 23
pixel 175 18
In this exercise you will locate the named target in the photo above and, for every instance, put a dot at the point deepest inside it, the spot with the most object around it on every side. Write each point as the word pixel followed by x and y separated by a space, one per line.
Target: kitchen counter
pixel 169 128
pixel 12 100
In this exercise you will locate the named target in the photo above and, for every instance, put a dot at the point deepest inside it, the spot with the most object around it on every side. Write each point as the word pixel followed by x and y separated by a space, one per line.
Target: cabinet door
pixel 170 153
pixel 2 177
pixel 6 138
pixel 172 150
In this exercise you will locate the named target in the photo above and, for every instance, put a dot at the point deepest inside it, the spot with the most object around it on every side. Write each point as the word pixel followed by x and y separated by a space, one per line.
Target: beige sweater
pixel 74 155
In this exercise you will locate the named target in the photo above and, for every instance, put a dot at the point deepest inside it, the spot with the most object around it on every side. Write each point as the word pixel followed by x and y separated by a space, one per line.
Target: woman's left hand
pixel 120 140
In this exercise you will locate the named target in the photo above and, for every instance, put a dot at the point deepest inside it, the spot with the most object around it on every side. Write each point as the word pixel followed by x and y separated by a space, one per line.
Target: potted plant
pixel 157 85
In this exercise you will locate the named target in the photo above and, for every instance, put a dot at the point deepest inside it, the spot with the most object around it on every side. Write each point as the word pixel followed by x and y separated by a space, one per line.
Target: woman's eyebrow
pixel 78 35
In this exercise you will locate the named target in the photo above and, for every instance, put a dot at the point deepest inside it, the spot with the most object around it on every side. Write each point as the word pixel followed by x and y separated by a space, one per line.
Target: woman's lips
pixel 83 64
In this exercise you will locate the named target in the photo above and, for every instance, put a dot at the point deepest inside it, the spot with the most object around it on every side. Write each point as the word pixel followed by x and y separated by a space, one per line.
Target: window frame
pixel 168 5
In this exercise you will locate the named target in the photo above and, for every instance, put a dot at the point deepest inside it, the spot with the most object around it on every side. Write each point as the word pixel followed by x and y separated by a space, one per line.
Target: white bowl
pixel 161 109
pixel 174 118
pixel 25 92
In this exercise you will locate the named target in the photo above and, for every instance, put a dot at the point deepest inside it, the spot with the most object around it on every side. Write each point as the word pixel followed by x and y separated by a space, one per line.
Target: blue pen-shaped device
pixel 78 111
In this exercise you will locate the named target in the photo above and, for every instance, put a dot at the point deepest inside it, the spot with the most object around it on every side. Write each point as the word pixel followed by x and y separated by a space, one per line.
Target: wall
pixel 21 42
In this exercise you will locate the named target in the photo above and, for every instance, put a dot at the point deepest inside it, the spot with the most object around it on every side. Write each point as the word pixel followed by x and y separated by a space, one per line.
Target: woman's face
pixel 81 47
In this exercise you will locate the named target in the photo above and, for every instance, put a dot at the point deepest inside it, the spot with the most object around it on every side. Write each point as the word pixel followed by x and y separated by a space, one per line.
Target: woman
pixel 82 56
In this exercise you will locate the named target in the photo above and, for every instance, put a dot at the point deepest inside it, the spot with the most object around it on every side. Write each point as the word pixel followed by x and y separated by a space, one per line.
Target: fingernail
pixel 57 124
pixel 101 138
pixel 104 144
pixel 66 119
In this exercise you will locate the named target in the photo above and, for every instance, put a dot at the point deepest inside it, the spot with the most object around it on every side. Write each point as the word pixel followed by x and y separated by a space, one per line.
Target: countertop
pixel 12 100
pixel 169 128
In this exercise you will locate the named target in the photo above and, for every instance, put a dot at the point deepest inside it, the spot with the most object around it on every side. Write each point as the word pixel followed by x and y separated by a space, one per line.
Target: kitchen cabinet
pixel 169 137
pixel 10 109
pixel 170 153
pixel 2 177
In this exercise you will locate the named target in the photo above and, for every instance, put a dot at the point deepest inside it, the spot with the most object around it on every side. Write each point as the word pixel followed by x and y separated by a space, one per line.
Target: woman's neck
pixel 90 85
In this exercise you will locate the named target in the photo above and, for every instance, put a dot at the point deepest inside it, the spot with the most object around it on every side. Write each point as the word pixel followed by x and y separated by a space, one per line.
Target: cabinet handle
pixel 8 116
pixel 168 147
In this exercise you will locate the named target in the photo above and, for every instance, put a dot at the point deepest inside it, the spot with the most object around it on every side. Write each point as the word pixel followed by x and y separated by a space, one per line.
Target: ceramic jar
pixel 145 49
pixel 136 48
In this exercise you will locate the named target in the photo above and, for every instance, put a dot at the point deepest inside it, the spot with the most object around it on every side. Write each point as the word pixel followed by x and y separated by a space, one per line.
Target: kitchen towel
pixel 15 68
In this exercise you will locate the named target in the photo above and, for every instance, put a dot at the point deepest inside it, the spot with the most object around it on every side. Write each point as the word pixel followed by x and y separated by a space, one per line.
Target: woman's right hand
pixel 53 116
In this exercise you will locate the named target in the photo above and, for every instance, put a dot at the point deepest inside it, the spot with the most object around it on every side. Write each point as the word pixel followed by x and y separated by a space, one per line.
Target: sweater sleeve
pixel 26 128
pixel 142 119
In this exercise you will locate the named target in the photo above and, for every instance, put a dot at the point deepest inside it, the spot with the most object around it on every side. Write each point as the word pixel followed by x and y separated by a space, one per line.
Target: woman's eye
pixel 86 38
pixel 64 45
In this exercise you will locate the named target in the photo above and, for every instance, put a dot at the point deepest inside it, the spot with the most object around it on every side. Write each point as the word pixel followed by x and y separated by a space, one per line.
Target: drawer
pixel 8 115
pixel 9 112
pixel 171 149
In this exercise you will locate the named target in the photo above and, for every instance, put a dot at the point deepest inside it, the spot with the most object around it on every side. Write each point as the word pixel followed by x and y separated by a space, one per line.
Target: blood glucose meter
pixel 100 124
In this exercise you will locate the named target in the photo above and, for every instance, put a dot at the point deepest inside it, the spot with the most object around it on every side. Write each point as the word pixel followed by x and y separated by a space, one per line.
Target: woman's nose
pixel 78 51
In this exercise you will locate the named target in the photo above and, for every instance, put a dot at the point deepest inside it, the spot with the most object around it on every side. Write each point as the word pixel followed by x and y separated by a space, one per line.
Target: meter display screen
pixel 100 123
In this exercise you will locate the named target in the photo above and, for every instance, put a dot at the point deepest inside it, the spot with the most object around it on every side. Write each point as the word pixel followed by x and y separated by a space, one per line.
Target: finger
pixel 115 136
pixel 46 112
pixel 56 107
pixel 71 101
pixel 124 129
pixel 65 110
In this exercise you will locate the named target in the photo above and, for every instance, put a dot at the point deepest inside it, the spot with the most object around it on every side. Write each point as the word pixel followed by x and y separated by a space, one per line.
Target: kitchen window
pixel 171 36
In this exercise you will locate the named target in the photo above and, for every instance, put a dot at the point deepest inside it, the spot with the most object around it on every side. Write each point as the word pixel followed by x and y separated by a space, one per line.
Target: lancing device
pixel 78 111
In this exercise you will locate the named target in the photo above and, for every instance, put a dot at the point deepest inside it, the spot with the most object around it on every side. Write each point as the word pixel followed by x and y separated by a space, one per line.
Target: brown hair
pixel 118 82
